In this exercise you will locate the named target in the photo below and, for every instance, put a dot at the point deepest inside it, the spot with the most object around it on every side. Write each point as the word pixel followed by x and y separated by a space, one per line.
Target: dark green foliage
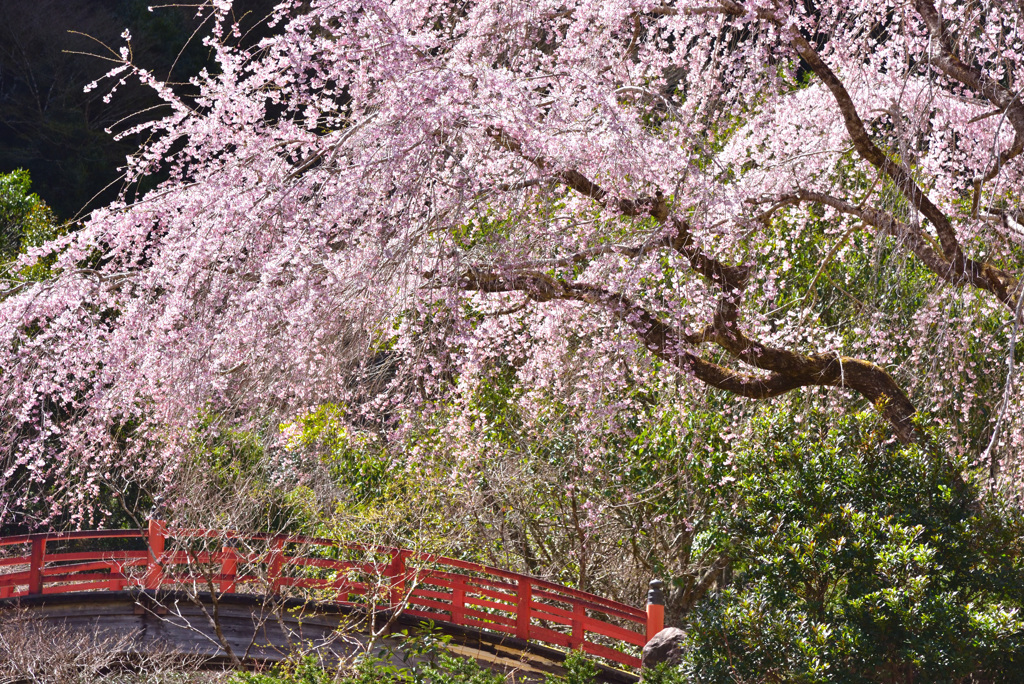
pixel 306 671
pixel 578 670
pixel 447 670
pixel 860 561
pixel 25 220
pixel 663 673
pixel 422 659
pixel 443 669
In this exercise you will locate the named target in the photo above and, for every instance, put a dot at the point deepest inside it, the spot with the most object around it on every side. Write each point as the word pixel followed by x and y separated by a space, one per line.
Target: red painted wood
pixel 550 636
pixel 459 602
pixel 523 609
pixel 15 578
pixel 546 611
pixel 469 613
pixel 228 570
pixel 417 600
pixel 190 558
pixel 395 572
pixel 36 560
pixel 483 603
pixel 655 619
pixel 70 568
pixel 95 556
pixel 63 536
pixel 603 606
pixel 492 626
pixel 429 593
pixel 156 538
pixel 468 621
pixel 482 580
pixel 579 635
pixel 13 560
pixel 275 564
pixel 614 631
pixel 446 589
pixel 81 577
pixel 97 585
pixel 479 587
pixel 594 602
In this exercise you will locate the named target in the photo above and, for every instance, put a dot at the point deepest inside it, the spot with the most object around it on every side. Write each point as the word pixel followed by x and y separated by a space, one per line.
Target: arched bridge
pixel 222 580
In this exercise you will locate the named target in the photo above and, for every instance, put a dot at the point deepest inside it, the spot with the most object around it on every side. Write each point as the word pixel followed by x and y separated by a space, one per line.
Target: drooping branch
pixel 954 266
pixel 991 277
pixel 655 206
pixel 951 65
pixel 946 60
pixel 871 153
pixel 787 370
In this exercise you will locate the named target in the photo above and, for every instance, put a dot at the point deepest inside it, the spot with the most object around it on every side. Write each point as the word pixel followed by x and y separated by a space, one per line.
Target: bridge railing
pixel 422 585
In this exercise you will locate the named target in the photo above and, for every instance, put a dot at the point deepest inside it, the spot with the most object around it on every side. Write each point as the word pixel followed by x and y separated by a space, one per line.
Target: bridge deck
pixel 176 622
pixel 241 575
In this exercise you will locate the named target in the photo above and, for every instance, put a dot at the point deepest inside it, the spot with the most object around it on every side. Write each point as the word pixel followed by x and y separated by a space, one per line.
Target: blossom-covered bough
pixel 381 198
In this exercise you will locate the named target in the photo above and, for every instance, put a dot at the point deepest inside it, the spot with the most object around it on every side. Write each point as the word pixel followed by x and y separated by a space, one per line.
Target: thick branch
pixel 729 278
pixel 979 274
pixel 972 77
pixel 653 206
pixel 953 266
pixel 870 152
pixel 787 370
pixel 957 268
pixel 951 65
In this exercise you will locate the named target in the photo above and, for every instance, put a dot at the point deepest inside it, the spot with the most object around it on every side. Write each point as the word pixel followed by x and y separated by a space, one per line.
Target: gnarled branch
pixel 787 370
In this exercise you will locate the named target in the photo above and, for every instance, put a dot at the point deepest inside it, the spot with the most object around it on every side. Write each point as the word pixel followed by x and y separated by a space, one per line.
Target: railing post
pixel 35 573
pixel 228 570
pixel 524 597
pixel 655 608
pixel 578 636
pixel 156 537
pixel 395 573
pixel 275 565
pixel 459 601
pixel 120 583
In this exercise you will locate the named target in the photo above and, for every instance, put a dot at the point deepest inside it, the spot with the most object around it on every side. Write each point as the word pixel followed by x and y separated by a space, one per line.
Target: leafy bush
pixel 25 220
pixel 446 669
pixel 421 659
pixel 663 673
pixel 861 561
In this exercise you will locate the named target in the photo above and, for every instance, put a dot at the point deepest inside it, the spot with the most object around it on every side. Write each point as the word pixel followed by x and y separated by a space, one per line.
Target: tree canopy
pixel 398 206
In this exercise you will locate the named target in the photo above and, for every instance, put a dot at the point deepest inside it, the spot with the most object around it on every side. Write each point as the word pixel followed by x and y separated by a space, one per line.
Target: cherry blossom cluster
pixel 384 201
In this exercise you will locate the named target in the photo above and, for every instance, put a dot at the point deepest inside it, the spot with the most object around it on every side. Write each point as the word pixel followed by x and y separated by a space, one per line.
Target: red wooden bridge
pixel 420 585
